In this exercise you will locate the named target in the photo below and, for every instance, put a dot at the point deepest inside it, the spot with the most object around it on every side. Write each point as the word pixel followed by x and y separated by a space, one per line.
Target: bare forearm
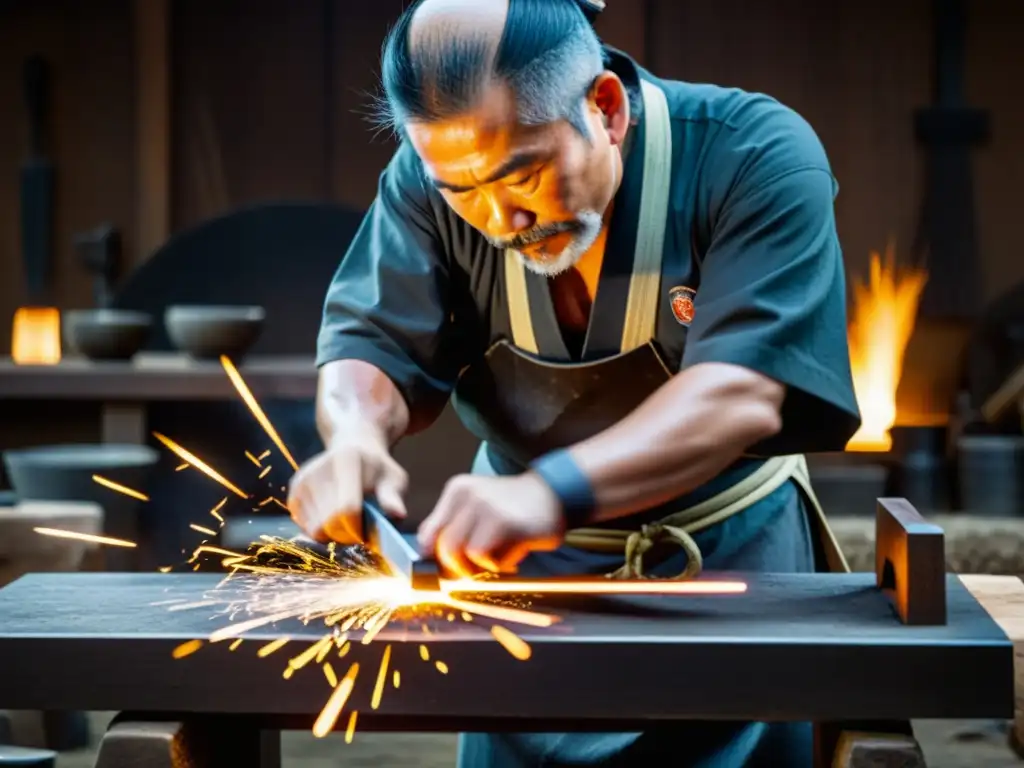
pixel 354 394
pixel 681 437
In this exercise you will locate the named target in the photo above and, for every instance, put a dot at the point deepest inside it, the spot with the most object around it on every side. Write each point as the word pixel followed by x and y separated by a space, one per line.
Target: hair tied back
pixel 591 8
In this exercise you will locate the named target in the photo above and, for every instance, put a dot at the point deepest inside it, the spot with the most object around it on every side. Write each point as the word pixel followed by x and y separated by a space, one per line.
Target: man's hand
pixel 485 523
pixel 326 495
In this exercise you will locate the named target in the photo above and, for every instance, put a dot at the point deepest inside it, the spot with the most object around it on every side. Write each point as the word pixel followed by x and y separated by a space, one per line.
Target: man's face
pixel 541 191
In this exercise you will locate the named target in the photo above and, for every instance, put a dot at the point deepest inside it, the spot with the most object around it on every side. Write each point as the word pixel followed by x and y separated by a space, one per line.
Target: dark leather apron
pixel 523 406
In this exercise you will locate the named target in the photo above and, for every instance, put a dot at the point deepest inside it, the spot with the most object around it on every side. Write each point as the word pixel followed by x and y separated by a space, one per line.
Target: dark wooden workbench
pixel 800 647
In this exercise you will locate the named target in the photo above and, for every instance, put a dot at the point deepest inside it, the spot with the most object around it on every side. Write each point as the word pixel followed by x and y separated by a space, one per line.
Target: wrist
pixel 563 476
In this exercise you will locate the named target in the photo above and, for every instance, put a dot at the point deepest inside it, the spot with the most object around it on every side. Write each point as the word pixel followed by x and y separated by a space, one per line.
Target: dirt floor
pixel 947 744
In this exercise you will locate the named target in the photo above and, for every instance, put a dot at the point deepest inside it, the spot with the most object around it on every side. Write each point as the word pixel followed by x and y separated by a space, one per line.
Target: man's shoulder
pixel 744 133
pixel 750 128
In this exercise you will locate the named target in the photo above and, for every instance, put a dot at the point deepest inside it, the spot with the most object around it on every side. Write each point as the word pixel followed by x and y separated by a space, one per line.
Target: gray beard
pixel 582 240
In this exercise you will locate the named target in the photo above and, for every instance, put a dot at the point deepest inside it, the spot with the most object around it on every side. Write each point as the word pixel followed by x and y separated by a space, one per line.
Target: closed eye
pixel 525 182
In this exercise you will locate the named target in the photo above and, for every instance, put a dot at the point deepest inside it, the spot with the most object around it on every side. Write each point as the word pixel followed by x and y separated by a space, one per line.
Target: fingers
pixel 450 550
pixel 390 489
pixel 326 494
pixel 461 532
pixel 442 513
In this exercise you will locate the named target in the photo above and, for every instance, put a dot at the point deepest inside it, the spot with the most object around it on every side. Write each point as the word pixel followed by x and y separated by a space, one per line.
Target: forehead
pixel 475 142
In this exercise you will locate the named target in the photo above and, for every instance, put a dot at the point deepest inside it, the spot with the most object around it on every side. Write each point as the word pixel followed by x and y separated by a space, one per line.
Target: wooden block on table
pixel 910 563
pixel 1003 598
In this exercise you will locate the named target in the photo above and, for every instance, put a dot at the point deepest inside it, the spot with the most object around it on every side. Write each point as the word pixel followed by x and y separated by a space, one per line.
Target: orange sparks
pixel 374 626
pixel 325 648
pixel 382 678
pixel 594 587
pixel 186 649
pixel 235 643
pixel 90 537
pixel 183 465
pixel 264 472
pixel 272 646
pixel 424 653
pixel 350 730
pixel 257 411
pixel 332 709
pixel 119 488
pixel 310 653
pixel 200 529
pixel 199 464
pixel 332 679
pixel 396 678
pixel 511 642
pixel 504 613
pixel 263 455
pixel 288 672
pixel 441 667
pixel 252 458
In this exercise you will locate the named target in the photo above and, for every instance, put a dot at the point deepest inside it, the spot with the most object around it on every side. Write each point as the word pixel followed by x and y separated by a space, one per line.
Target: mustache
pixel 534 235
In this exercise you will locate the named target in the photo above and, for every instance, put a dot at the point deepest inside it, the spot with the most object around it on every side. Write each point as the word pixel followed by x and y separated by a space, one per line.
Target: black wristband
pixel 569 484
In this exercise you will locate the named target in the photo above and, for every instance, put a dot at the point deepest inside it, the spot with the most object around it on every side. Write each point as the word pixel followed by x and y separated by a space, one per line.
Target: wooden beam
pixel 1004 398
pixel 1003 598
pixel 153 99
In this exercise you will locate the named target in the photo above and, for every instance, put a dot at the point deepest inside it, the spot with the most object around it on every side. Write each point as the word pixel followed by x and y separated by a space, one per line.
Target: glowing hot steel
pixel 593 587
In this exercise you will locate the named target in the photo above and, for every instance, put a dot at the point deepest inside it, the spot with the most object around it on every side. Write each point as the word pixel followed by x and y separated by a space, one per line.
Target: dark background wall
pixel 268 102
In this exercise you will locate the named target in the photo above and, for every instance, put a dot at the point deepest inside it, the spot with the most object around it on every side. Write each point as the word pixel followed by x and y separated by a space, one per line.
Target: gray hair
pixel 548 55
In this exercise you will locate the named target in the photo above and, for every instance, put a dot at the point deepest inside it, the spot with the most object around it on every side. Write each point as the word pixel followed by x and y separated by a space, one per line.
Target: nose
pixel 505 218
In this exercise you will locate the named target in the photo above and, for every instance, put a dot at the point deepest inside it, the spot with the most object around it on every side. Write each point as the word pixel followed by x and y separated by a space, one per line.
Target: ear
pixel 608 97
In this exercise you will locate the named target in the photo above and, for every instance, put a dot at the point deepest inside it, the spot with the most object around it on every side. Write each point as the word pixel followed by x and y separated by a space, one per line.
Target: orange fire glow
pixel 881 324
pixel 35 336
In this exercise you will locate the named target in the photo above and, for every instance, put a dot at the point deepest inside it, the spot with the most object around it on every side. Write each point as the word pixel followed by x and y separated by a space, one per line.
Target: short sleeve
pixel 389 302
pixel 772 293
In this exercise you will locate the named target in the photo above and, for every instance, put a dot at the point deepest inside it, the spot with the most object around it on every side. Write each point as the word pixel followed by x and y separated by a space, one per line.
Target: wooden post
pixel 200 741
pixel 1003 598
pixel 153 131
pixel 1004 398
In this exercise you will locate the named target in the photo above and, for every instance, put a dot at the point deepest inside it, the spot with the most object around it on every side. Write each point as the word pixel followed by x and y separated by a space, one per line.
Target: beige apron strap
pixel 642 304
pixel 519 304
pixel 645 283
pixel 820 529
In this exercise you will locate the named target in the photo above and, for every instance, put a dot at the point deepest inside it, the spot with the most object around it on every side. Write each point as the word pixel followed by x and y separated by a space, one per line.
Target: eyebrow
pixel 515 163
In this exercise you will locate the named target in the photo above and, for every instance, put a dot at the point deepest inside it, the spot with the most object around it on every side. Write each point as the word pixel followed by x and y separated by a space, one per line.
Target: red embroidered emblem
pixel 681 298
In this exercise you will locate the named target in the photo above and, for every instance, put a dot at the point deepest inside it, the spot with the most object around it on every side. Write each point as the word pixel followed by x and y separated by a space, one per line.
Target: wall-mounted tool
pixel 100 253
pixel 37 183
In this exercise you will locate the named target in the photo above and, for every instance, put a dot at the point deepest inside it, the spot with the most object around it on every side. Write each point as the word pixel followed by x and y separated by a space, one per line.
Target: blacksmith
pixel 631 290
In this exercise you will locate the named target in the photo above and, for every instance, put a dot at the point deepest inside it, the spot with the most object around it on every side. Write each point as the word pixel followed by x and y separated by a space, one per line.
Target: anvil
pixel 399 550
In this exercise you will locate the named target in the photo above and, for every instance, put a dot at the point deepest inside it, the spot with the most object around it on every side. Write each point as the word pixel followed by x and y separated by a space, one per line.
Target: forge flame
pixel 882 320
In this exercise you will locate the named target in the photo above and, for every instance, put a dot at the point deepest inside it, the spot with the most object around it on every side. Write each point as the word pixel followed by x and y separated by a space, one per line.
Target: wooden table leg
pixel 1003 598
pixel 866 745
pixel 133 741
pixel 124 423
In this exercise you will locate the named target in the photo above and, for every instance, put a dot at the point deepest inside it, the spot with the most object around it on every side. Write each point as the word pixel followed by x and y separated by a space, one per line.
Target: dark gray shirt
pixel 420 294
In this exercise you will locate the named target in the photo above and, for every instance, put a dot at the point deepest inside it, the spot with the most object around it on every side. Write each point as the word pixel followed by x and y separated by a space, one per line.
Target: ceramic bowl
pixel 207 332
pixel 106 334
